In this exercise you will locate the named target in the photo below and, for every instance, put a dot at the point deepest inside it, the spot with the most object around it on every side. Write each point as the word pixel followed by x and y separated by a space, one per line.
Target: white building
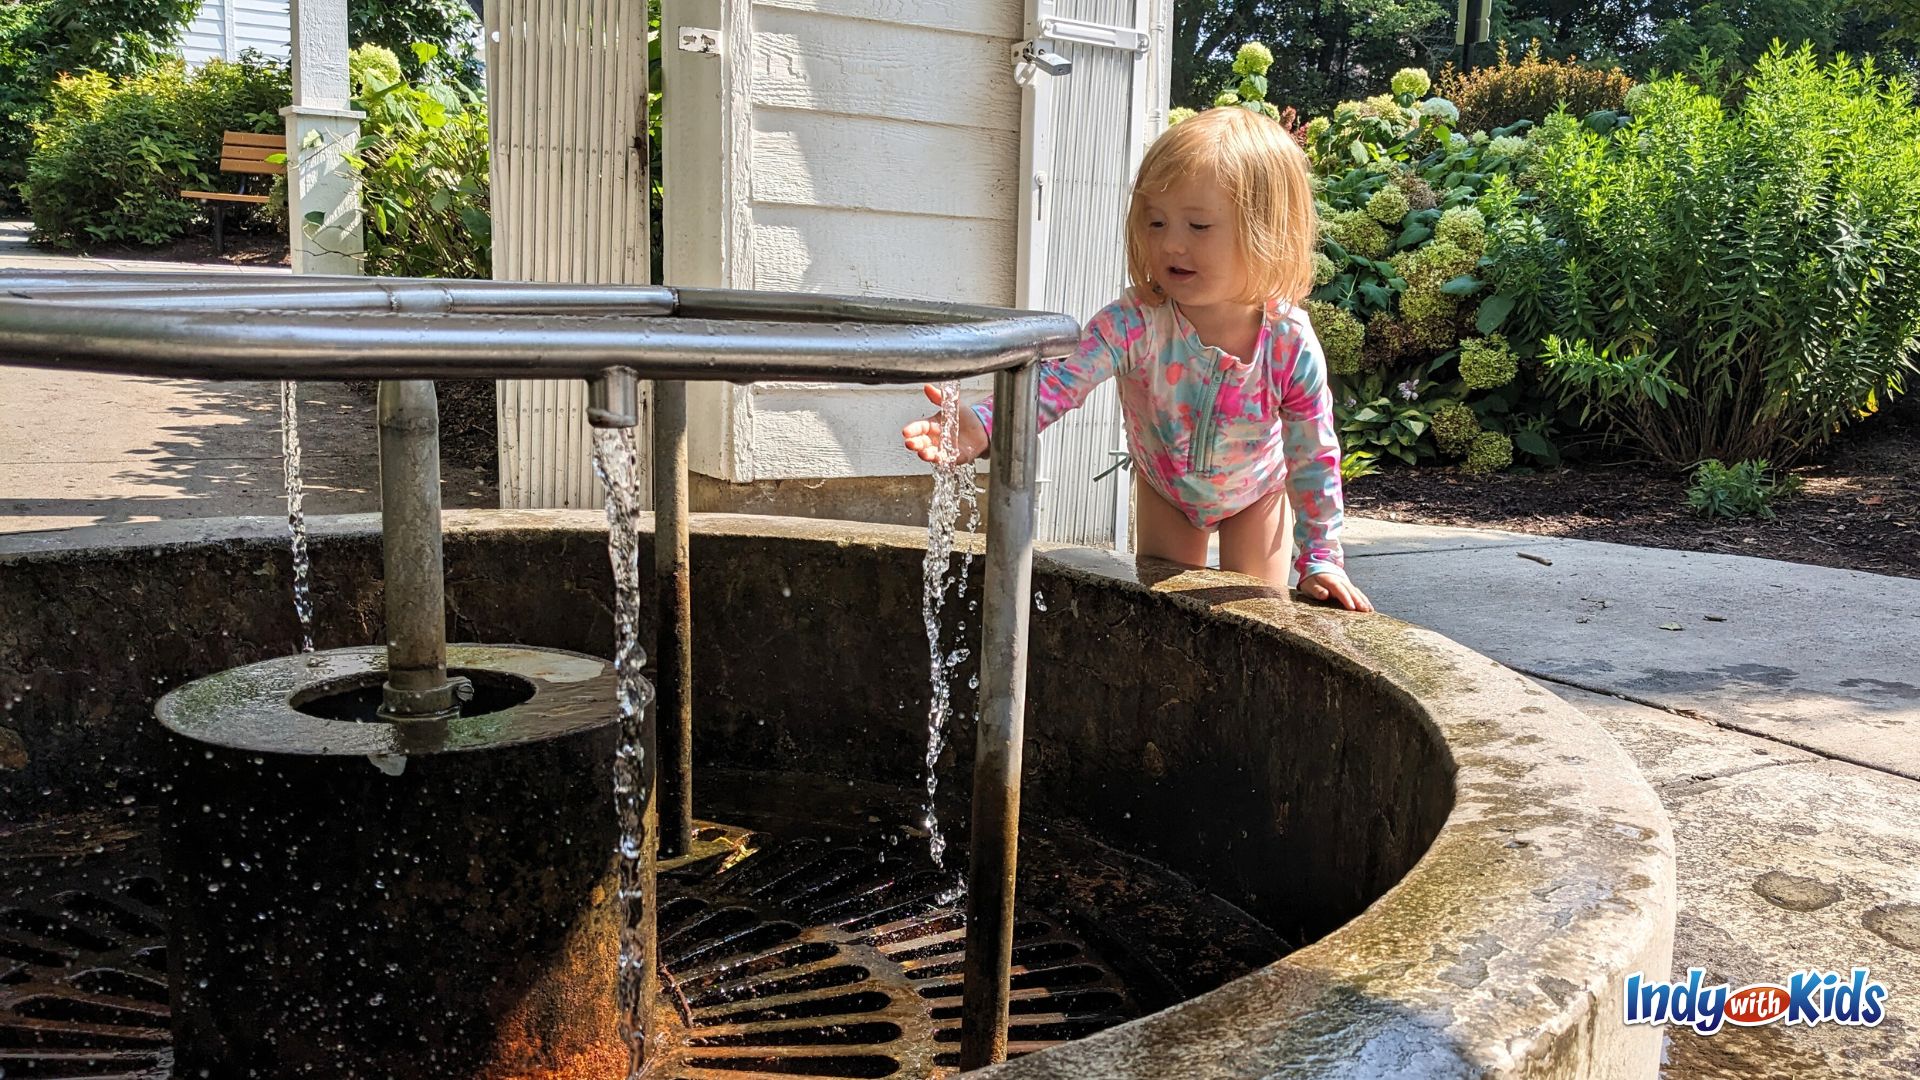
pixel 223 29
pixel 879 147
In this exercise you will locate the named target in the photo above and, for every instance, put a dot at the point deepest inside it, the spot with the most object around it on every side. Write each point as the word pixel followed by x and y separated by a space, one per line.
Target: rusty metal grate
pixel 807 957
pixel 784 958
pixel 83 962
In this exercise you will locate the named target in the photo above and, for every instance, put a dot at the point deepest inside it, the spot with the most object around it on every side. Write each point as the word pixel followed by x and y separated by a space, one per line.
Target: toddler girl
pixel 1222 382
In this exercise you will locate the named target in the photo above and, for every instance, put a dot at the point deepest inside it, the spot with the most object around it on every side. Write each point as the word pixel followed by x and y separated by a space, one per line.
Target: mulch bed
pixel 1858 507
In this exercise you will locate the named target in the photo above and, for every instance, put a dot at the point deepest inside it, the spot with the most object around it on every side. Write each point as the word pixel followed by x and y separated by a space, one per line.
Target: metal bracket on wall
pixel 1128 38
pixel 695 39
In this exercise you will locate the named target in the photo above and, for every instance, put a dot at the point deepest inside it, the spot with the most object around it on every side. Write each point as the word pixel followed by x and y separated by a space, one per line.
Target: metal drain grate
pixel 810 958
pixel 790 958
pixel 83 961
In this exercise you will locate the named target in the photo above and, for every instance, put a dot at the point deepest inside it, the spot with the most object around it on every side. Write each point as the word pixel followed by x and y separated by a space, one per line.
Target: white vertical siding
pixel 567 80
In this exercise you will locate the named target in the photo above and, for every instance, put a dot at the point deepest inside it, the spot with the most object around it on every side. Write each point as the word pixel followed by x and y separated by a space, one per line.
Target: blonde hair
pixel 1268 179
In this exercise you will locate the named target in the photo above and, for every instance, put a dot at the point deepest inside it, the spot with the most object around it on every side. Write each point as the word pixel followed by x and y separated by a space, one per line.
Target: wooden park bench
pixel 245 153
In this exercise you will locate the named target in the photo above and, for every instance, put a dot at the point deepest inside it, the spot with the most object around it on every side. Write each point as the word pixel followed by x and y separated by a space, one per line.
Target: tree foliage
pixel 1334 50
pixel 43 39
pixel 448 25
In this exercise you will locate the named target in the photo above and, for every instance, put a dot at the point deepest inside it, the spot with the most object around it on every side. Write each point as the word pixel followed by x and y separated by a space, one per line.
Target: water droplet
pixel 1039 601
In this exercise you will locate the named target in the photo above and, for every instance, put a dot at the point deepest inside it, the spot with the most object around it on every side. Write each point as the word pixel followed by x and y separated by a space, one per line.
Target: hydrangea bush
pixel 1398 278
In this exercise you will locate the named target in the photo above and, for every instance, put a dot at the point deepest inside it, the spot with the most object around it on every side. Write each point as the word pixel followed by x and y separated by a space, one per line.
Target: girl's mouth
pixel 1179 273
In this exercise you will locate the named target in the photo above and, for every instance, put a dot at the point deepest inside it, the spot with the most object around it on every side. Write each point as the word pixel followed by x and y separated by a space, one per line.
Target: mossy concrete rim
pixel 1503 952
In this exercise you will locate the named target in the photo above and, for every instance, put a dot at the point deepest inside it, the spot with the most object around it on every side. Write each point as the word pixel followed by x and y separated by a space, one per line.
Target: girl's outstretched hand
pixel 1336 587
pixel 923 436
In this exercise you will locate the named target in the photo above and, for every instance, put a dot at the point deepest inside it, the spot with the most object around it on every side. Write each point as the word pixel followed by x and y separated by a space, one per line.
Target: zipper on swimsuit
pixel 1200 452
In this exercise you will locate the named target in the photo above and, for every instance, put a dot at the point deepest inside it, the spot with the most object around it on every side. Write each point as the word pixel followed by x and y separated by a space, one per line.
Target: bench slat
pixel 248 138
pixel 221 196
pixel 250 153
pixel 257 168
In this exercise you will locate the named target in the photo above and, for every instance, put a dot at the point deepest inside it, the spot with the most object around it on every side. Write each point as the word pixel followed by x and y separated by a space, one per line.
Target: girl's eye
pixel 1197 227
pixel 1156 224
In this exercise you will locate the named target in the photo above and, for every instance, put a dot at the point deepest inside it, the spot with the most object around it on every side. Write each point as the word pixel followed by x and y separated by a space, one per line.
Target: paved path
pixel 1780 723
pixel 83 449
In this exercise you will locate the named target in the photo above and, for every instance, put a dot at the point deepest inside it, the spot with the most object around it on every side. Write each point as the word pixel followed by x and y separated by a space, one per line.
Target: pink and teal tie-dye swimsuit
pixel 1212 433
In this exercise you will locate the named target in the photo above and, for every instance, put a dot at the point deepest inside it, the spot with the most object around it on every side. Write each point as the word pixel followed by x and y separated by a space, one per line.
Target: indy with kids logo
pixel 1807 997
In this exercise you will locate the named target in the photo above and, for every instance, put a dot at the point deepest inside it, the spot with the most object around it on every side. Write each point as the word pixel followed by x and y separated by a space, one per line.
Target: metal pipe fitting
pixel 613 399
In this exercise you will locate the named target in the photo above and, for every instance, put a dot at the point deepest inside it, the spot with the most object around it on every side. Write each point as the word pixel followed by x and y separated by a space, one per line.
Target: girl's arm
pixel 1066 383
pixel 1312 445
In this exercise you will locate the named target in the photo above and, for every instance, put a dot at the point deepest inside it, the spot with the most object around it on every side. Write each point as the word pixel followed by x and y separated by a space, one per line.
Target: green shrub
pixel 1454 429
pixel 41 40
pixel 1381 418
pixel 112 156
pixel 422 161
pixel 1531 88
pixel 1715 282
pixel 1747 488
pixel 1491 451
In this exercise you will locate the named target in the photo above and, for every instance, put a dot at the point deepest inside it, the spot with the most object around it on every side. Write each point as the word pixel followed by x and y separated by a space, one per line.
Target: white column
pixel 323 195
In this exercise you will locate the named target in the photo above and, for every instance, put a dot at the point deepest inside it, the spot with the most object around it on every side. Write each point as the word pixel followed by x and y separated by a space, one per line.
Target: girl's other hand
pixel 923 436
pixel 1335 587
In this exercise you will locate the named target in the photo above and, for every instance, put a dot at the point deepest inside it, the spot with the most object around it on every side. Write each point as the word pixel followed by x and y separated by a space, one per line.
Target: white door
pixel 1083 134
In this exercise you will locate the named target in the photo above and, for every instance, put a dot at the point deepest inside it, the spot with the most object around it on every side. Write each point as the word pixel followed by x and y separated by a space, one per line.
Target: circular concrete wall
pixel 1471 868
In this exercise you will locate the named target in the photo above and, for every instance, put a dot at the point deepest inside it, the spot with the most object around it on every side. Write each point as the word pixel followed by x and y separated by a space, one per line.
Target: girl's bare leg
pixel 1163 531
pixel 1257 541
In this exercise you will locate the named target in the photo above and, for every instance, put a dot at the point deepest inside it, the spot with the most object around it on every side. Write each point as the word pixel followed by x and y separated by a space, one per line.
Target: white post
pixel 323 195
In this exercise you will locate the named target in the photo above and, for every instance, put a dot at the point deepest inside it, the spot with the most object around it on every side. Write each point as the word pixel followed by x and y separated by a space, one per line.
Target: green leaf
pixel 1493 313
pixel 1358 151
pixel 1464 285
pixel 1379 295
pixel 1416 232
pixel 425 51
pixel 314 217
pixel 1254 87
pixel 1533 443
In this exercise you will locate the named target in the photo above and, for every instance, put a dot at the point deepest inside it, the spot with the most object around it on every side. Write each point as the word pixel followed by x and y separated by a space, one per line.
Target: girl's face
pixel 1193 244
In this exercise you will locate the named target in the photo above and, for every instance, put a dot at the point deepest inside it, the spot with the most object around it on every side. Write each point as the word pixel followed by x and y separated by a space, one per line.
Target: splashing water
pixel 953 490
pixel 296 516
pixel 614 459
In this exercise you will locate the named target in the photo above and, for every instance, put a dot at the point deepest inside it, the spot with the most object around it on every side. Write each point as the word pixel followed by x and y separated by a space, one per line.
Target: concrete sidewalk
pixel 84 449
pixel 1774 706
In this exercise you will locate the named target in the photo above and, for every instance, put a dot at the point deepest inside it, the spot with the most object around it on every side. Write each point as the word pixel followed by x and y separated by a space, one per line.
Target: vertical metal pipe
pixel 417 686
pixel 673 650
pixel 995 824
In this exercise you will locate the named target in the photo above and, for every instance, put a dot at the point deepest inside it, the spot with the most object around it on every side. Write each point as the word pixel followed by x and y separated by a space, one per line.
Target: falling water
pixel 296 516
pixel 614 462
pixel 953 490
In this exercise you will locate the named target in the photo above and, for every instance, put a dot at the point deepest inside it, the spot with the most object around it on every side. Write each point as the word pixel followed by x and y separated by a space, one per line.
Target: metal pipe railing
pixel 995 824
pixel 417 686
pixel 405 332
pixel 673 641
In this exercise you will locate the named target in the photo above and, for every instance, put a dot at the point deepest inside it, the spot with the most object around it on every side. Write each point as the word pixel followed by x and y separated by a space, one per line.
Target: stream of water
pixel 614 460
pixel 953 492
pixel 296 515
